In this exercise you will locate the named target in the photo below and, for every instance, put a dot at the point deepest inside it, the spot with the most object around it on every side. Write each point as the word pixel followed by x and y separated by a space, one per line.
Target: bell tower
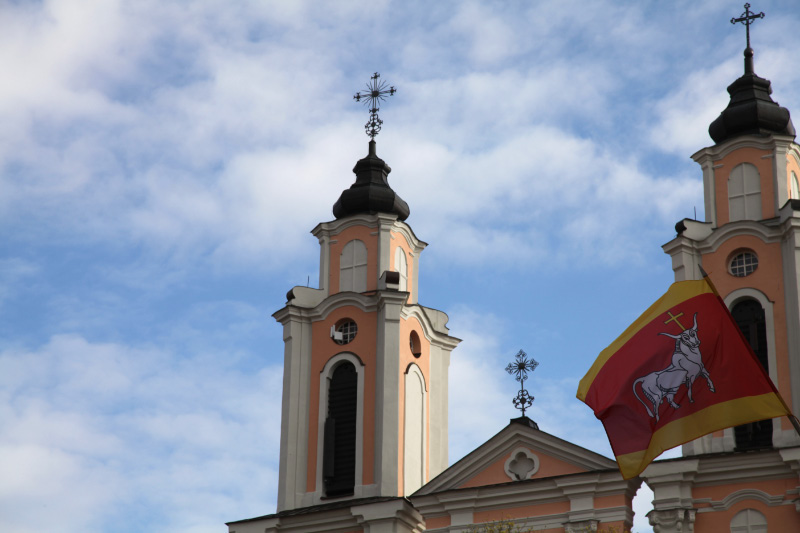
pixel 365 385
pixel 750 242
pixel 743 478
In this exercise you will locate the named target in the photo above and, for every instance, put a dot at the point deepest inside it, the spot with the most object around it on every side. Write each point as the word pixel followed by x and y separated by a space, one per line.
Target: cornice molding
pixel 718 151
pixel 433 331
pixel 367 303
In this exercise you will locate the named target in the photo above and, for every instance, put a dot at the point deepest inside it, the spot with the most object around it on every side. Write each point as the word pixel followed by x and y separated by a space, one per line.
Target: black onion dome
pixel 371 192
pixel 751 109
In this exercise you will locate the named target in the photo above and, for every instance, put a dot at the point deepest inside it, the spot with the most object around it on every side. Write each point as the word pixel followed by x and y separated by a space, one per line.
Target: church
pixel 364 421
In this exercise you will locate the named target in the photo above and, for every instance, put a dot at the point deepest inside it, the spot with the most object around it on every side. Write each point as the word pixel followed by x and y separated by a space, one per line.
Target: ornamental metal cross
pixel 520 367
pixel 747 18
pixel 376 93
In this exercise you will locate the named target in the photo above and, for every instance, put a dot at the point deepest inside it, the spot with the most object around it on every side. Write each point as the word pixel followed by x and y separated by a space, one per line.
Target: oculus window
pixel 743 264
pixel 345 331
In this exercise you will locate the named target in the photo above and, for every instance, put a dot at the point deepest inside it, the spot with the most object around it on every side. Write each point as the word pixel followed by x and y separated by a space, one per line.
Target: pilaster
pixel 790 252
pixel 294 407
pixel 387 393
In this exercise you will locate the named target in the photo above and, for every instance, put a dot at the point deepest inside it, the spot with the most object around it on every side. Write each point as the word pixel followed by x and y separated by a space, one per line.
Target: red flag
pixel 680 371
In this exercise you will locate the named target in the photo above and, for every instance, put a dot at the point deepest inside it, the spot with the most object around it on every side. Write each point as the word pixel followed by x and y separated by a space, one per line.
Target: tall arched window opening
pixel 794 192
pixel 750 317
pixel 401 266
pixel 339 459
pixel 353 267
pixel 744 193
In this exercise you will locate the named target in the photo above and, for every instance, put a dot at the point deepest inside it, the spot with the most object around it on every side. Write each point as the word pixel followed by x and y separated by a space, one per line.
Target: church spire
pixel 751 110
pixel 371 192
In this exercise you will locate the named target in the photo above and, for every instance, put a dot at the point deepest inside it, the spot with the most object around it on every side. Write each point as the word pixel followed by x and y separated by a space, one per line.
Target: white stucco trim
pixel 324 383
pixel 750 293
pixel 752 228
pixel 747 494
pixel 294 411
pixel 514 456
pixel 709 158
pixel 411 463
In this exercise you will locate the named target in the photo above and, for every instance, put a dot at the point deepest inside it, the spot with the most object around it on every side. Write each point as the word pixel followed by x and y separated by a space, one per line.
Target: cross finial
pixel 376 93
pixel 747 18
pixel 520 367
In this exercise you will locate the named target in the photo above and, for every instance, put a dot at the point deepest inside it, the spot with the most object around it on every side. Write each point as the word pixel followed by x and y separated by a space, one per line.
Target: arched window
pixel 749 521
pixel 414 432
pixel 401 266
pixel 750 317
pixel 339 458
pixel 353 267
pixel 794 192
pixel 744 193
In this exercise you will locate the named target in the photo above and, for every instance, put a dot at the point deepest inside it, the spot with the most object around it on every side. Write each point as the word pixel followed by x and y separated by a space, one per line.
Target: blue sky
pixel 162 164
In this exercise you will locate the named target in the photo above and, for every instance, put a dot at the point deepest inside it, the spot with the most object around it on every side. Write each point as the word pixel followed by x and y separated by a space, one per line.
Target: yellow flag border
pixel 713 418
pixel 678 292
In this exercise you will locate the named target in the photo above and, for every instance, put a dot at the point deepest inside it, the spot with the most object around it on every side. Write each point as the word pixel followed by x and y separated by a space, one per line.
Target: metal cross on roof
pixel 520 368
pixel 376 93
pixel 747 18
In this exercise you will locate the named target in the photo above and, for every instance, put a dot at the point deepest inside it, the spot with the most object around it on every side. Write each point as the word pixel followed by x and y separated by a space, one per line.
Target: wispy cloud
pixel 93 432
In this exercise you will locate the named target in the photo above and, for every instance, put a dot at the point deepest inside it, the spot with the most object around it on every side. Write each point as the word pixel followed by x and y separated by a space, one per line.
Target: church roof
pixel 751 110
pixel 330 506
pixel 371 192
pixel 488 464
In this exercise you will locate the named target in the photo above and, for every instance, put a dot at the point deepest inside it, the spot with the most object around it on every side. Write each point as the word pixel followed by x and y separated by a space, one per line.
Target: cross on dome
pixel 375 94
pixel 747 18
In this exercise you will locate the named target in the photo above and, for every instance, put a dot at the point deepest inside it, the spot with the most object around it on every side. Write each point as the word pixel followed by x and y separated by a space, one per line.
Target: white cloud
pixel 568 199
pixel 685 113
pixel 91 432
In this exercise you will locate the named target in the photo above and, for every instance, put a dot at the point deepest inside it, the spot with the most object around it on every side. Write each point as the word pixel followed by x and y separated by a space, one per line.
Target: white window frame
pixel 744 193
pixel 353 267
pixel 749 521
pixel 401 267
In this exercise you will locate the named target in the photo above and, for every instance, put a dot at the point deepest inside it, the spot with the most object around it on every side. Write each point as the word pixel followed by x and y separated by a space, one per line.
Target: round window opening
pixel 345 331
pixel 743 264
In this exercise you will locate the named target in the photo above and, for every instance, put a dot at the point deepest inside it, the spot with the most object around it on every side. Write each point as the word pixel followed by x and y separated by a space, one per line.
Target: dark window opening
pixel 416 346
pixel 339 456
pixel 749 316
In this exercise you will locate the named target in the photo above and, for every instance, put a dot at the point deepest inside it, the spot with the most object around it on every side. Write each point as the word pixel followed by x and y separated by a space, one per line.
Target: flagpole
pixel 793 419
pixel 708 280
